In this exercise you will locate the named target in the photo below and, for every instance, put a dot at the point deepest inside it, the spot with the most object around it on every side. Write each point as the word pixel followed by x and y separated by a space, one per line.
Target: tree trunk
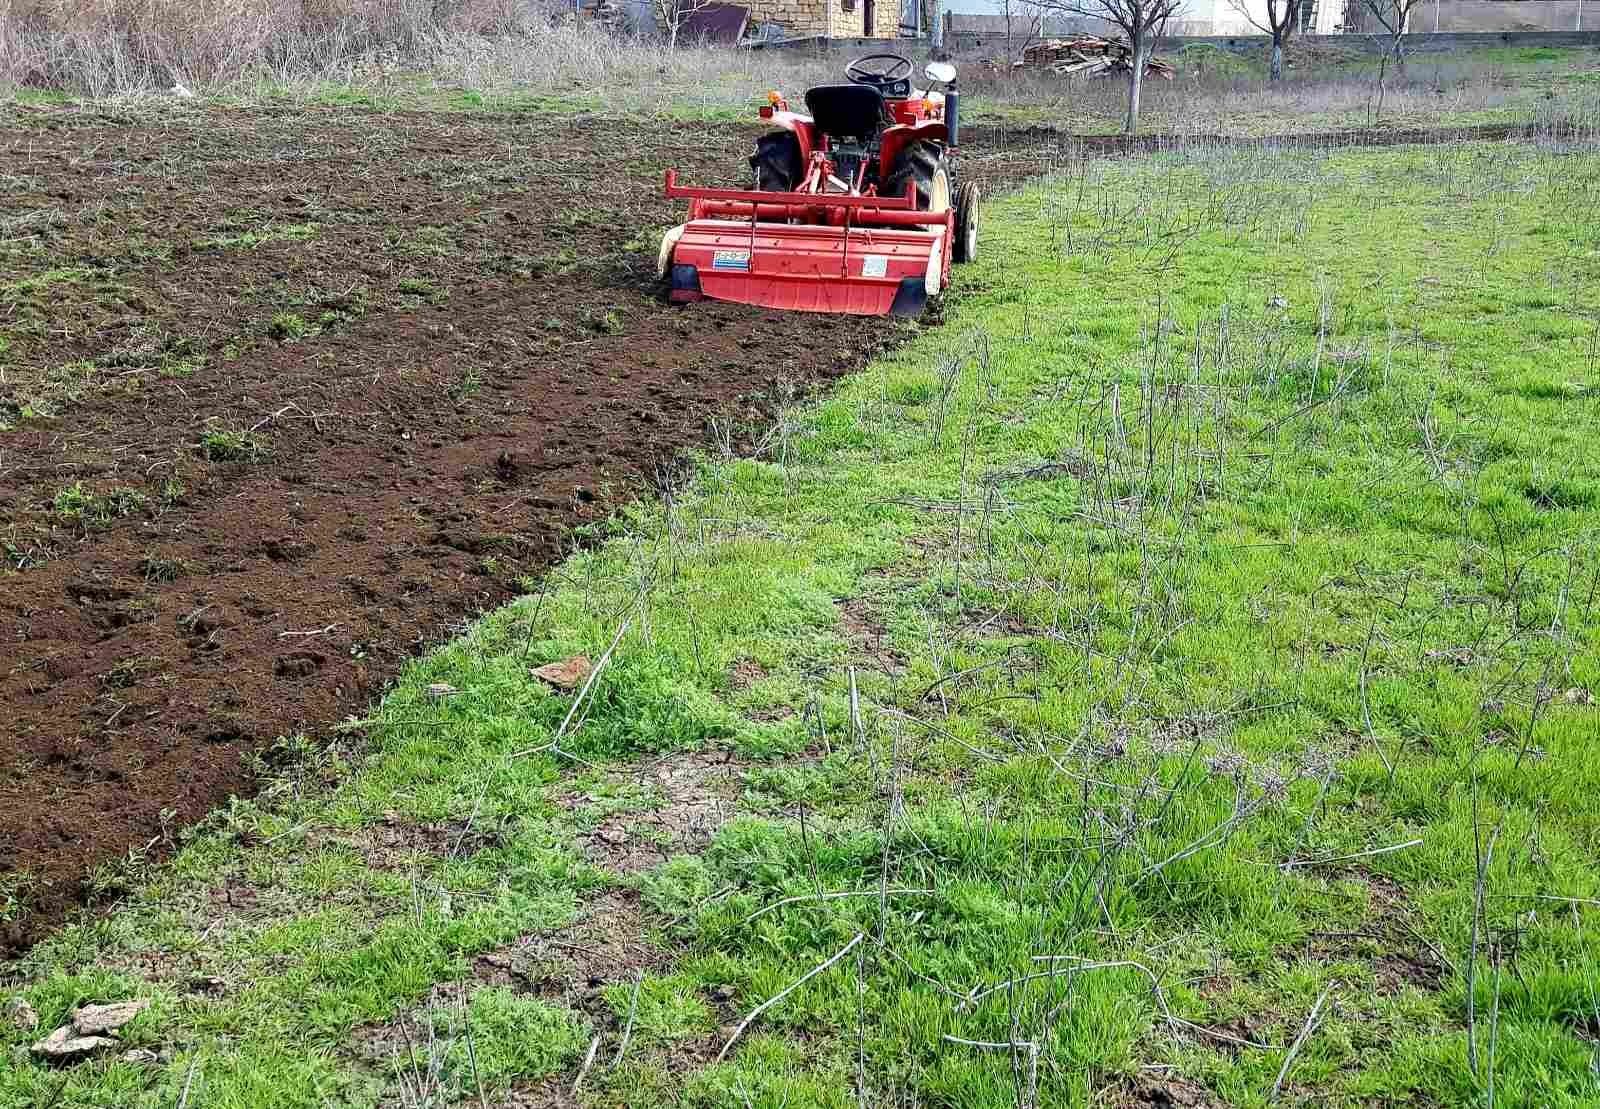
pixel 1275 73
pixel 1135 83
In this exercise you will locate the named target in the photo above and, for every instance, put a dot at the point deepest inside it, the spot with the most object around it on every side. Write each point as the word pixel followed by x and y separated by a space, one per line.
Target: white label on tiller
pixel 731 260
pixel 875 265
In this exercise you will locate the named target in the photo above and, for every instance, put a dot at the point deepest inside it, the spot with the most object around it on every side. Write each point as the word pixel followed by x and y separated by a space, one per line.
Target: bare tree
pixel 1282 17
pixel 1394 16
pixel 672 16
pixel 1024 24
pixel 1142 22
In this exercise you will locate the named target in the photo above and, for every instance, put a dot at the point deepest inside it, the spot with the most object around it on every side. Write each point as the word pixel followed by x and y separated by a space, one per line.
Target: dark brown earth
pixel 405 465
pixel 288 395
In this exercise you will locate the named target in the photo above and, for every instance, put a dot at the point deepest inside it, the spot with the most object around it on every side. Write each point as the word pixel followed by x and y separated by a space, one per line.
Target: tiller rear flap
pixel 807 252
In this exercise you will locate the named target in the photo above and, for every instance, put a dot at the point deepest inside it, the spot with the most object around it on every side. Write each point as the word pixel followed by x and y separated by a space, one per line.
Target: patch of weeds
pixel 270 233
pixel 422 288
pixel 119 876
pixel 286 327
pixel 467 387
pixel 171 356
pixel 82 505
pixel 427 242
pixel 608 322
pixel 29 287
pixel 554 265
pixel 172 491
pixel 16 894
pixel 20 553
pixel 45 397
pixel 155 569
pixel 127 673
pixel 230 445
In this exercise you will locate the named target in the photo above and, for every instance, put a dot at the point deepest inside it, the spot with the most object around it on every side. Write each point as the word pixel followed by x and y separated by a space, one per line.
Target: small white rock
pixel 140 1057
pixel 181 92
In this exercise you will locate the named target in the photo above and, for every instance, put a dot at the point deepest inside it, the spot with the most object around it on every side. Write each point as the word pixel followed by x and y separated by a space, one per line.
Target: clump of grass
pixel 153 568
pixel 421 287
pixel 467 386
pixel 269 233
pixel 287 327
pixel 85 506
pixel 229 445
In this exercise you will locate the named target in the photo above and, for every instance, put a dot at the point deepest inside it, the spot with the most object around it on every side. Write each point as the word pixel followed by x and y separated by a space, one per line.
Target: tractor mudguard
pixel 897 138
pixel 804 131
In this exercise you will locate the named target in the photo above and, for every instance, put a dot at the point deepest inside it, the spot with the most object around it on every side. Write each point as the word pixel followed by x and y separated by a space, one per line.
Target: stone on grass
pixel 566 674
pixel 93 1020
pixel 65 1044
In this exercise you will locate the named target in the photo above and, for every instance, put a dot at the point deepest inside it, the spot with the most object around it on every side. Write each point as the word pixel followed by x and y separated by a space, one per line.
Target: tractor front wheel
pixel 776 162
pixel 969 209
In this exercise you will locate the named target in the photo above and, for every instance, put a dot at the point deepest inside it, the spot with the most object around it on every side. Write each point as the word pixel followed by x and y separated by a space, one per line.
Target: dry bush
pixel 104 47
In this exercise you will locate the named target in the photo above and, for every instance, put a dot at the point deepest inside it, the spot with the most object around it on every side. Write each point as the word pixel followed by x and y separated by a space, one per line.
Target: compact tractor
pixel 855 206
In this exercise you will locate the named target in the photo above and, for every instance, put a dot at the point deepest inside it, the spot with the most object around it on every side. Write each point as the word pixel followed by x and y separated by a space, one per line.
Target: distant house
pixel 833 18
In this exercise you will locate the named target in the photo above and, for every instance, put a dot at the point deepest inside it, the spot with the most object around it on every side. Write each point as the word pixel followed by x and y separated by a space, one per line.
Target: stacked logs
pixel 1089 56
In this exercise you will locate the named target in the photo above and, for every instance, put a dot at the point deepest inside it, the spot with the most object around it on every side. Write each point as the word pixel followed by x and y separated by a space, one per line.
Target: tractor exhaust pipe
pixel 952 116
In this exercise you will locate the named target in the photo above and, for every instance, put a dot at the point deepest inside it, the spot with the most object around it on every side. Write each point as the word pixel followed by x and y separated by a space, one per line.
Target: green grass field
pixel 1171 681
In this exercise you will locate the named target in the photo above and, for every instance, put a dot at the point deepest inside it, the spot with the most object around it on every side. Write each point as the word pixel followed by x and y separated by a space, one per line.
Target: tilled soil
pixel 290 396
pixel 287 395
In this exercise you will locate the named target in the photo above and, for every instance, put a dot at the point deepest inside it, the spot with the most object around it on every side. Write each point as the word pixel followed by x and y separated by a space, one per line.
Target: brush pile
pixel 1089 56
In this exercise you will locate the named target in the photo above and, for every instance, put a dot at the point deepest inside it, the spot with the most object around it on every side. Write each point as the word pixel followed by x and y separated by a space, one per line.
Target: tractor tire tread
pixel 918 162
pixel 776 162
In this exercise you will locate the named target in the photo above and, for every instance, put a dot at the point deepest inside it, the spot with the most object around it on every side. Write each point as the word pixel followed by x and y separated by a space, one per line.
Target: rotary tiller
pixel 855 206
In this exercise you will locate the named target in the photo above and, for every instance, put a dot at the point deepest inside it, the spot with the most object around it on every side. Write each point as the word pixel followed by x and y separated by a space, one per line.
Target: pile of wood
pixel 1089 56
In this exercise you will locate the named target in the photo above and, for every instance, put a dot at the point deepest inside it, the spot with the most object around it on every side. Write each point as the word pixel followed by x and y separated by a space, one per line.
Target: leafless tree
pixel 1394 16
pixel 1282 17
pixel 1142 22
pixel 672 16
pixel 1024 24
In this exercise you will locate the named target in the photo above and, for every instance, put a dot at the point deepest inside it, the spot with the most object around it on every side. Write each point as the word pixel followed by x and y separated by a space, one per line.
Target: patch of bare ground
pixel 607 943
pixel 1390 942
pixel 745 673
pixel 998 625
pixel 397 843
pixel 864 630
pixel 1157 1089
pixel 693 794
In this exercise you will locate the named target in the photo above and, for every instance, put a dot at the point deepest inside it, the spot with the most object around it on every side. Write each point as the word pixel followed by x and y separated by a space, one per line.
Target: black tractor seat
pixel 848 111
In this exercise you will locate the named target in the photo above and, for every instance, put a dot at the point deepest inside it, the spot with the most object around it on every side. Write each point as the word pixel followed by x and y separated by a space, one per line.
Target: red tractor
pixel 855 206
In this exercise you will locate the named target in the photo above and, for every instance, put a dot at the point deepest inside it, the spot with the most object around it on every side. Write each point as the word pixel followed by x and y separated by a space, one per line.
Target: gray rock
pixel 92 1020
pixel 64 1043
pixel 140 1056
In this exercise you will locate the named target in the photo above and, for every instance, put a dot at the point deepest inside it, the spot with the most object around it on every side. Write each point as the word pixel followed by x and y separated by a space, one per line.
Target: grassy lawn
pixel 1173 678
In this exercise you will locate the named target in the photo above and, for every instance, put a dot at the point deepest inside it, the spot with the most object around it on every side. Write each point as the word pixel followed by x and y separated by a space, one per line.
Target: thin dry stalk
pixel 786 991
pixel 1300 1041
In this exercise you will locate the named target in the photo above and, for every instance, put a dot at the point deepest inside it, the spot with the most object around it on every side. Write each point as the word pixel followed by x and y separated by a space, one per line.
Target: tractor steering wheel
pixel 879 70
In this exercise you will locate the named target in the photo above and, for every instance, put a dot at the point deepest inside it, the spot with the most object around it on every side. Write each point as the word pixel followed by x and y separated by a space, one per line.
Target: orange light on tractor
pixel 927 106
pixel 774 98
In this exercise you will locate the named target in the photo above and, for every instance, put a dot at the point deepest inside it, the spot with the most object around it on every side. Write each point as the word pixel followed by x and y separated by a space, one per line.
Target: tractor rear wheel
pixel 776 162
pixel 922 164
pixel 968 212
